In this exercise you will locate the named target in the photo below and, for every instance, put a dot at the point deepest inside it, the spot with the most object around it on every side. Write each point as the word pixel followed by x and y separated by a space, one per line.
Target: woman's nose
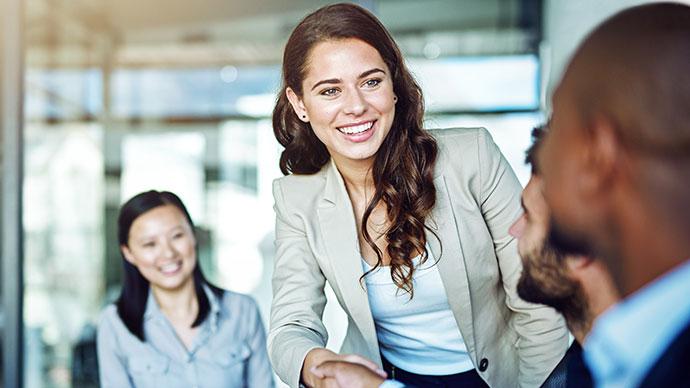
pixel 167 250
pixel 355 104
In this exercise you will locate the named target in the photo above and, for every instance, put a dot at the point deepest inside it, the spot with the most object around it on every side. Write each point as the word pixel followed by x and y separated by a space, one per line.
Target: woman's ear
pixel 297 104
pixel 127 254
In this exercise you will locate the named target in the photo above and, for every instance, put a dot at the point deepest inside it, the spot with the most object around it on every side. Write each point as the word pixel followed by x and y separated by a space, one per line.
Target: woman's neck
pixel 357 176
pixel 179 304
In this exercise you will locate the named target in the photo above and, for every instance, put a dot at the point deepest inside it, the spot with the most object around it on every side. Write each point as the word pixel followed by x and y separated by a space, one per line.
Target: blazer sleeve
pixel 112 370
pixel 542 334
pixel 296 325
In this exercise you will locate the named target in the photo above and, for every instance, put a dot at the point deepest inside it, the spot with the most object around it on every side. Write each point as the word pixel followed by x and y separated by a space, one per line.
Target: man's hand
pixel 349 374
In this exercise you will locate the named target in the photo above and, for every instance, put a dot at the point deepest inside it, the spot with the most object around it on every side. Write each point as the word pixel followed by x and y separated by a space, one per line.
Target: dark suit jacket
pixel 571 372
pixel 673 368
pixel 578 374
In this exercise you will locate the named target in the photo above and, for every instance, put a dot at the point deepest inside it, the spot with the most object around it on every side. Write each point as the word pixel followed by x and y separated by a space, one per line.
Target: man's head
pixel 619 138
pixel 545 277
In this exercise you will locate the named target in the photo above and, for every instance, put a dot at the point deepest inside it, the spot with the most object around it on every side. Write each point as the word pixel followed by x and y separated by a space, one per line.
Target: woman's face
pixel 347 97
pixel 162 246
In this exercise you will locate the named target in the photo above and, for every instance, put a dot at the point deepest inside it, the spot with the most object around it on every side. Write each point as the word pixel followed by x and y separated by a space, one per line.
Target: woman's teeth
pixel 356 129
pixel 169 268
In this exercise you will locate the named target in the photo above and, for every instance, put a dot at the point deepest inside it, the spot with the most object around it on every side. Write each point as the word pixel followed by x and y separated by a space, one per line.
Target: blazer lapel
pixel 337 222
pixel 451 261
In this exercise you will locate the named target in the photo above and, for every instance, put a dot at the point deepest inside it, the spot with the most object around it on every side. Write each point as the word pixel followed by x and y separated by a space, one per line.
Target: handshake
pixel 332 370
pixel 345 374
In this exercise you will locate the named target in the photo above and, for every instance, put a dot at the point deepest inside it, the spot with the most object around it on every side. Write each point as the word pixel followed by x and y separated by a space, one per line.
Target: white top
pixel 419 335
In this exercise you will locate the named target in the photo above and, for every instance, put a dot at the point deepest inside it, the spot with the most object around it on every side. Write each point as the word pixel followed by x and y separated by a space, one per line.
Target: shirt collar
pixel 214 314
pixel 153 310
pixel 628 339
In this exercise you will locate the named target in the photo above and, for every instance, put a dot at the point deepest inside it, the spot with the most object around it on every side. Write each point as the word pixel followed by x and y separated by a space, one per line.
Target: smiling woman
pixel 171 327
pixel 408 226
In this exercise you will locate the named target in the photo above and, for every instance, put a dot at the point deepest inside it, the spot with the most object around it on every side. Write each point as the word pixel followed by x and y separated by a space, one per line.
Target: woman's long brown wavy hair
pixel 404 164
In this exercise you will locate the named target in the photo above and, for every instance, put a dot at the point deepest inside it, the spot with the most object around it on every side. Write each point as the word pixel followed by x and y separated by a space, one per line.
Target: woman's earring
pixel 395 99
pixel 304 117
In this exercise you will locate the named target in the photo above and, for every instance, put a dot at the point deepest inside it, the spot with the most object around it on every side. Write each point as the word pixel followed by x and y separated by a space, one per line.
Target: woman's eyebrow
pixel 337 80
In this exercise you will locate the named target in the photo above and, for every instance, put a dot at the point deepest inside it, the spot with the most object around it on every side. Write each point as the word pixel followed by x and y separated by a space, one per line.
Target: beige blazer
pixel 511 342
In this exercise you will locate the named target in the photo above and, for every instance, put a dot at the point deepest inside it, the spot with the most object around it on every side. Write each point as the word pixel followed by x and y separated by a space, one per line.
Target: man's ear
pixel 297 104
pixel 602 156
pixel 577 262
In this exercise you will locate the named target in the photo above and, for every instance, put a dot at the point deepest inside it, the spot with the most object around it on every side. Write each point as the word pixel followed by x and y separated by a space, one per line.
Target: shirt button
pixel 483 364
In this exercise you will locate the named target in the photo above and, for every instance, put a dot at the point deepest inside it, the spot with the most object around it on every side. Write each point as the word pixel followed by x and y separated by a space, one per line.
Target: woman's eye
pixel 178 235
pixel 372 82
pixel 329 92
pixel 148 244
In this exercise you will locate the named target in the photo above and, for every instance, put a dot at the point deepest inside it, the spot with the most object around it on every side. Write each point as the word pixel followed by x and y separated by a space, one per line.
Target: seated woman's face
pixel 347 97
pixel 162 246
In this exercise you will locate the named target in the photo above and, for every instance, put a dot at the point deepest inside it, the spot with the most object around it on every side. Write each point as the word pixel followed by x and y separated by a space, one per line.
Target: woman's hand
pixel 316 357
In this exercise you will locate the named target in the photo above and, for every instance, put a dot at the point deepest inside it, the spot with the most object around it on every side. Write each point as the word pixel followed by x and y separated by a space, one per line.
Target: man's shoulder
pixel 673 367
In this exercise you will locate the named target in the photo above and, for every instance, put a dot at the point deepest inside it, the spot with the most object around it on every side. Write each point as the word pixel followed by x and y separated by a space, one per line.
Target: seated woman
pixel 171 327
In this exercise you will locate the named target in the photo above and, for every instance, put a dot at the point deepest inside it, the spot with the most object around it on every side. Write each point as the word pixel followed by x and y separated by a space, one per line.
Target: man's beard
pixel 545 280
pixel 567 243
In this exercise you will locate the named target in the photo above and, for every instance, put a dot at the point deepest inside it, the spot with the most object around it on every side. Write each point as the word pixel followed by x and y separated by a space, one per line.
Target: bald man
pixel 615 166
pixel 578 287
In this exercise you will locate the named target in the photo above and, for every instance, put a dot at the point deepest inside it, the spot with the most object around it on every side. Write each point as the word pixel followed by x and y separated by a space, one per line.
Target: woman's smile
pixel 358 133
pixel 171 268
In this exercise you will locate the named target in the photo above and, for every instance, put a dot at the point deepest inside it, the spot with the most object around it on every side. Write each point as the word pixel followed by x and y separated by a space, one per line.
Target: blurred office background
pixel 121 96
